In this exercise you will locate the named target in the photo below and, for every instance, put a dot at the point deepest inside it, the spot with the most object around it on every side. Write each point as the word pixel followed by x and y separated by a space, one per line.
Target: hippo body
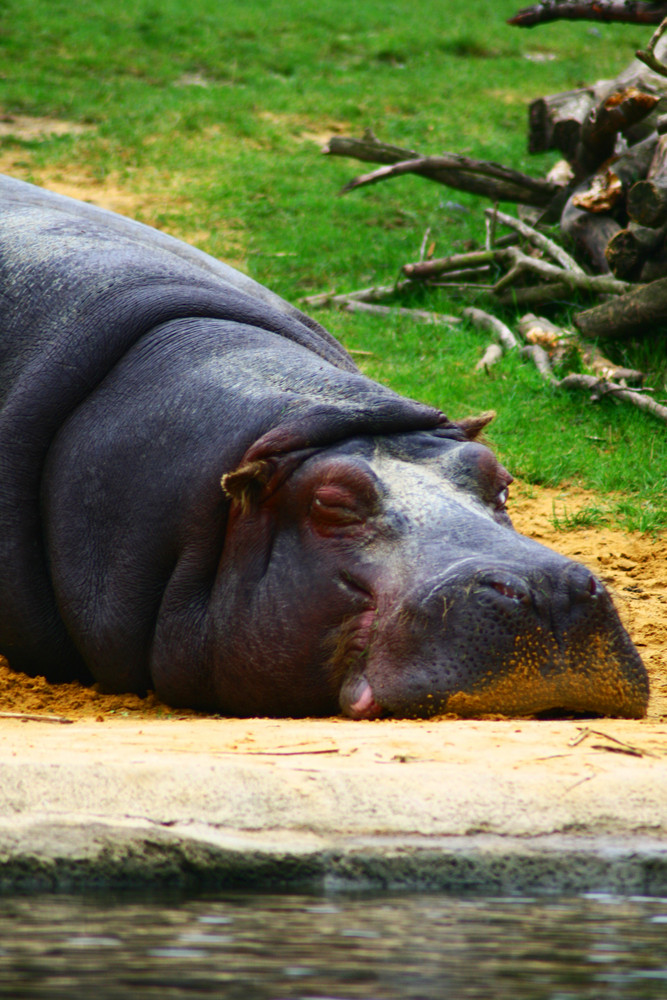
pixel 201 493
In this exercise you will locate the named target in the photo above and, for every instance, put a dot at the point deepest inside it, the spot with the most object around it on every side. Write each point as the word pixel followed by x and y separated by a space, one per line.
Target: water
pixel 285 947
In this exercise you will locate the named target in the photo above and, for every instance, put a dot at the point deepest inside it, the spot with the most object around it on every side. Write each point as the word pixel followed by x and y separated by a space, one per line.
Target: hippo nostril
pixel 510 589
pixel 583 586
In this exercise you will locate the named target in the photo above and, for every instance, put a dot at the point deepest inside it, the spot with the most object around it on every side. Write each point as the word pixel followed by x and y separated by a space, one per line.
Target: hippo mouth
pixel 523 688
pixel 358 702
pixel 528 665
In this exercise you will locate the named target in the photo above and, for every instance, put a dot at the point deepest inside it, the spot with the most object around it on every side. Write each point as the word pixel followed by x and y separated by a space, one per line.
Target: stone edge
pixel 47 855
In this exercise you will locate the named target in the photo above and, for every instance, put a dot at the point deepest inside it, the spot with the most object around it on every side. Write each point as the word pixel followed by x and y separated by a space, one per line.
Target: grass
pixel 213 116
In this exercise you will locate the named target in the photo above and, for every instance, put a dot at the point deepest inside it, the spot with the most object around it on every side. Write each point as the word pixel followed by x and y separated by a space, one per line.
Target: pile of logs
pixel 596 226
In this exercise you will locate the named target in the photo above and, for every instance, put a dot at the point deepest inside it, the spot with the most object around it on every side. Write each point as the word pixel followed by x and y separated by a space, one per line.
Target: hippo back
pixel 80 287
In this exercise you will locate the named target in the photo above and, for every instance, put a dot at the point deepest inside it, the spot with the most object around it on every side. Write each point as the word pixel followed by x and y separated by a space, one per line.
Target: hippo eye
pixel 335 506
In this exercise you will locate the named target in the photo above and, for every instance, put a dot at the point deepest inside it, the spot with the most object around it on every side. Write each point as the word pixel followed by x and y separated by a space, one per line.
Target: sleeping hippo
pixel 201 494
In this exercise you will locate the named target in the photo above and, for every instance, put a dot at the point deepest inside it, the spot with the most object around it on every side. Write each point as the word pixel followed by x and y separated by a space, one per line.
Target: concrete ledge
pixel 492 807
pixel 43 856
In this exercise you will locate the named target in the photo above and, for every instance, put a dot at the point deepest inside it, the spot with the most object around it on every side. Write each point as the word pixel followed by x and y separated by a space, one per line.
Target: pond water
pixel 333 947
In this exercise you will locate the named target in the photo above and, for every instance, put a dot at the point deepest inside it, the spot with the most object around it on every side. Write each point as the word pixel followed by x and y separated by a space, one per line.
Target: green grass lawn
pixel 213 115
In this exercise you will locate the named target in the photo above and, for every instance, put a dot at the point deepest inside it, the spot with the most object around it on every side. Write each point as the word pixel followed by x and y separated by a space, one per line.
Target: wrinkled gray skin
pixel 356 555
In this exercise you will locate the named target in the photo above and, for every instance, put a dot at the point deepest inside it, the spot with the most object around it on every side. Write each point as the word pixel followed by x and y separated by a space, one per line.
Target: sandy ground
pixel 633 567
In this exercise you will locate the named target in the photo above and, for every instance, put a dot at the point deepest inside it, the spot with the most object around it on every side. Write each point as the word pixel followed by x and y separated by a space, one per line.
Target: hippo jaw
pixel 491 644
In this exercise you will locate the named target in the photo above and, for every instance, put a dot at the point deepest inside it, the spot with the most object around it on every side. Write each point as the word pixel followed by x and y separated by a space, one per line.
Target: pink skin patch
pixel 365 707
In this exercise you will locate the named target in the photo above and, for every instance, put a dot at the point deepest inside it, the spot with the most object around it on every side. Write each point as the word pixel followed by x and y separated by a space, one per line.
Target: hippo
pixel 201 494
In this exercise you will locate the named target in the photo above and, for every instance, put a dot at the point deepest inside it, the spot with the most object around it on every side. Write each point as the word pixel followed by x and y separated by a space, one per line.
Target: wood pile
pixel 596 225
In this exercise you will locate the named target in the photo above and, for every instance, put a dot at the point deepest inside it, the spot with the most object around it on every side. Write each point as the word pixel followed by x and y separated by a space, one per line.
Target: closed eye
pixel 334 513
pixel 335 508
pixel 334 496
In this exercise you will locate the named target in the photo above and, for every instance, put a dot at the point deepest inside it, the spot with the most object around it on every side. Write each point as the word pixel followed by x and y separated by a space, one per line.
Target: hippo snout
pixel 501 639
pixel 552 597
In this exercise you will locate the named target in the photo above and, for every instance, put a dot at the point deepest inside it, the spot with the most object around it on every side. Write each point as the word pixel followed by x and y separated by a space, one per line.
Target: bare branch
pixel 629 11
pixel 541 360
pixel 374 294
pixel 648 56
pixel 538 239
pixel 491 356
pixel 602 387
pixel 485 321
pixel 466 174
pixel 600 284
pixel 417 315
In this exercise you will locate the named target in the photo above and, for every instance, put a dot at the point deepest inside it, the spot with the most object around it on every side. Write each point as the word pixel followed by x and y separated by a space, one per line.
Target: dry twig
pixel 28 717
pixel 485 321
pixel 538 240
pixel 648 56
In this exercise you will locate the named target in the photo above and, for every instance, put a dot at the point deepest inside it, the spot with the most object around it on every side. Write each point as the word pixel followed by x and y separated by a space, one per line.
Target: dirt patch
pixel 108 193
pixel 632 566
pixel 304 129
pixel 31 128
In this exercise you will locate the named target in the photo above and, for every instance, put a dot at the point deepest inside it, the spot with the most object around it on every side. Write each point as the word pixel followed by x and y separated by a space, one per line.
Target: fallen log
pixel 376 293
pixel 365 301
pixel 614 135
pixel 423 270
pixel 647 202
pixel 613 115
pixel 628 11
pixel 416 315
pixel 521 264
pixel 597 386
pixel 540 359
pixel 655 267
pixel 605 189
pixel 532 296
pixel 491 356
pixel 560 344
pixel 630 248
pixel 539 240
pixel 641 309
pixel 490 180
pixel 585 218
pixel 647 199
pixel 589 232
pixel 651 56
pixel 554 122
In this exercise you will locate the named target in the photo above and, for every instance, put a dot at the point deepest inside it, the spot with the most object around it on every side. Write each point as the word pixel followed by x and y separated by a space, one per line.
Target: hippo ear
pixel 472 427
pixel 247 482
pixel 256 479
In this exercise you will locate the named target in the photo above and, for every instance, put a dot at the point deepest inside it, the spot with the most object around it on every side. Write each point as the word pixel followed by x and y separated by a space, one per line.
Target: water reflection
pixel 287 947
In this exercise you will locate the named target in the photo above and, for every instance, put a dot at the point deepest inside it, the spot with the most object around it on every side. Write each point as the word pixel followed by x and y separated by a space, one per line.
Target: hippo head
pixel 382 576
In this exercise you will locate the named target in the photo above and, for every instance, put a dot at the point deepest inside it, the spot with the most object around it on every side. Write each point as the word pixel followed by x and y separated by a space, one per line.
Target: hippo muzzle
pixel 501 638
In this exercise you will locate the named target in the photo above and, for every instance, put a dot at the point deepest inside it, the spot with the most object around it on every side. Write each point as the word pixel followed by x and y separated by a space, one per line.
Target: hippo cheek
pixel 499 643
